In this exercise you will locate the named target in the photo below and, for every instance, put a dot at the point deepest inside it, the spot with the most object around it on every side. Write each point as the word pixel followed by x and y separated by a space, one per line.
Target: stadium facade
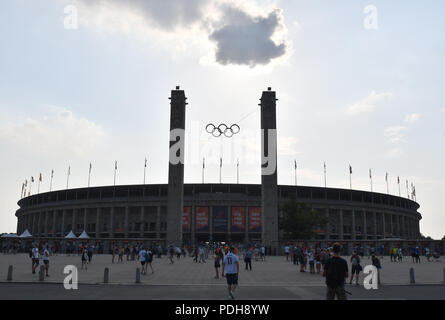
pixel 177 213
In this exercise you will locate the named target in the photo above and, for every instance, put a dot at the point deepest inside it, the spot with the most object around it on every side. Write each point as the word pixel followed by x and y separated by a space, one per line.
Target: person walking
pixel 90 254
pixel 46 261
pixel 287 251
pixel 149 260
pixel 84 258
pixel 376 263
pixel 201 255
pixel 35 258
pixel 248 259
pixel 231 269
pixel 355 267
pixel 336 271
pixel 310 256
pixel 217 262
pixel 142 256
pixel 171 253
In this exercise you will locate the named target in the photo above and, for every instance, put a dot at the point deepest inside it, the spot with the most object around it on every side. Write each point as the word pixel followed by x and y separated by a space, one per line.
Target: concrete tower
pixel 269 189
pixel 176 167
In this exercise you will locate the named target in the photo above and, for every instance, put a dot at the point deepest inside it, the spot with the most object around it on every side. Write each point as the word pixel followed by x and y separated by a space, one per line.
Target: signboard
pixel 187 219
pixel 255 219
pixel 219 219
pixel 202 219
pixel 238 219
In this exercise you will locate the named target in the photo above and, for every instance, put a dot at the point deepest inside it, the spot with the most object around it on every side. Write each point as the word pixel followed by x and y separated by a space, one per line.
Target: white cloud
pixel 442 110
pixel 412 118
pixel 369 103
pixel 239 32
pixel 287 146
pixel 396 134
pixel 60 132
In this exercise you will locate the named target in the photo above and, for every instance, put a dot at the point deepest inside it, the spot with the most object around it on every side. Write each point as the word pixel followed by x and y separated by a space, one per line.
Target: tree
pixel 299 221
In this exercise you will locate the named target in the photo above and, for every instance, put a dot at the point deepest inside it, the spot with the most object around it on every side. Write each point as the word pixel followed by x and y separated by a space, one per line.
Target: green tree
pixel 299 221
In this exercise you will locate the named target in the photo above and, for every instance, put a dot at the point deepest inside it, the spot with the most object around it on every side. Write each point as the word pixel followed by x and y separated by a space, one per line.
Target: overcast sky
pixel 356 85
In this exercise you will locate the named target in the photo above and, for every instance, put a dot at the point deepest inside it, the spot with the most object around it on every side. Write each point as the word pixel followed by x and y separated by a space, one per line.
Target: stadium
pixel 188 214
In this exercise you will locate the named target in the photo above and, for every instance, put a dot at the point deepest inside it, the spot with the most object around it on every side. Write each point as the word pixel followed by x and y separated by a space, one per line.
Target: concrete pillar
pixel 84 220
pixel 33 230
pixel 384 225
pixel 126 221
pixel 98 222
pixel 211 223
pixel 229 223
pixel 54 223
pixel 176 167
pixel 353 225
pixel 62 228
pixel 341 224
pixel 327 227
pixel 365 227
pixel 391 225
pixel 141 220
pixel 269 188
pixel 374 219
pixel 39 230
pixel 45 227
pixel 192 228
pixel 158 222
pixel 73 224
pixel 112 222
pixel 246 221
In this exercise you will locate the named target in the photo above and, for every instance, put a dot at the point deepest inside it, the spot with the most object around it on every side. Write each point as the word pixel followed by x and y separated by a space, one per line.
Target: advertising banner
pixel 255 219
pixel 238 219
pixel 202 219
pixel 219 219
pixel 187 219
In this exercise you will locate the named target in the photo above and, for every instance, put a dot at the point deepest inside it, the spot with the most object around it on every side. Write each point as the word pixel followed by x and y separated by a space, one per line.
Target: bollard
pixel 42 273
pixel 411 276
pixel 106 275
pixel 9 278
pixel 443 275
pixel 138 275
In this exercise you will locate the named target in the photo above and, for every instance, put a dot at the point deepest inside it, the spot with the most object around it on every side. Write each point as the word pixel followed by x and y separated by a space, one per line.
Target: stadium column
pixel 383 225
pixel 246 225
pixel 158 222
pixel 33 224
pixel 98 210
pixel 365 226
pixel 353 225
pixel 340 233
pixel 126 222
pixel 62 228
pixel 38 226
pixel 391 225
pixel 192 227
pixel 112 222
pixel 54 223
pixel 327 231
pixel 269 188
pixel 141 220
pixel 45 228
pixel 374 219
pixel 84 220
pixel 73 222
pixel 211 223
pixel 176 167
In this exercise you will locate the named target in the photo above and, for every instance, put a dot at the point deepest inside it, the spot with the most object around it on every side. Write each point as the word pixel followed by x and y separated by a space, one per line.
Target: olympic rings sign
pixel 222 129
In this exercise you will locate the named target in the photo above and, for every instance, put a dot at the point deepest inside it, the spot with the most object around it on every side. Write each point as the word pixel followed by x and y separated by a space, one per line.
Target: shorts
pixel 355 269
pixel 232 278
pixel 46 262
pixel 217 265
pixel 35 261
pixel 333 292
pixel 311 263
pixel 142 263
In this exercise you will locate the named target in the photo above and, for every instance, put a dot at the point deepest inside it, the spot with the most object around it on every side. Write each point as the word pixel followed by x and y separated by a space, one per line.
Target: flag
pixel 324 165
pixel 115 165
pixel 52 173
pixel 398 180
pixel 295 164
pixel 145 163
pixel 203 162
pixel 237 162
pixel 220 162
pixel 386 177
pixel 350 169
pixel 414 191
pixel 370 174
pixel 32 179
pixel 26 182
pixel 91 166
pixel 40 178
pixel 69 170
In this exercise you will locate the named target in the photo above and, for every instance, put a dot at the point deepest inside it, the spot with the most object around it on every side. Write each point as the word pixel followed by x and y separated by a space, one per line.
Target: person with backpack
pixel 355 267
pixel 336 271
pixel 149 260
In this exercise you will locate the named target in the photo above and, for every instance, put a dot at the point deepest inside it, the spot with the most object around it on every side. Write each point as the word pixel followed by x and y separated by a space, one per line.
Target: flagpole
pixel 38 184
pixel 145 168
pixel 51 181
pixel 237 171
pixel 324 165
pixel 387 184
pixel 89 175
pixel 296 181
pixel 68 177
pixel 30 186
pixel 350 177
pixel 370 177
pixel 115 169
pixel 398 182
pixel 21 194
pixel 220 169
pixel 203 167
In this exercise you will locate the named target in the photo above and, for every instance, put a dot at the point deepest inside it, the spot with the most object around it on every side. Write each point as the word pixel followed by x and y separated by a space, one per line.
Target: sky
pixel 358 83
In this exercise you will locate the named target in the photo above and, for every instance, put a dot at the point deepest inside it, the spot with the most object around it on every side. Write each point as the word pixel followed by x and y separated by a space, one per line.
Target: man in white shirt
pixel 35 258
pixel 231 269
pixel 142 254
pixel 286 252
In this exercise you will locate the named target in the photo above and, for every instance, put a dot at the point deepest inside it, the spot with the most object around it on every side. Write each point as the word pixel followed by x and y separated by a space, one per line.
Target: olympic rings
pixel 222 129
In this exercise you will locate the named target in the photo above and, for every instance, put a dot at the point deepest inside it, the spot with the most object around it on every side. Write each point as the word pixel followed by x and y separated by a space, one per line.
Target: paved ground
pixel 272 279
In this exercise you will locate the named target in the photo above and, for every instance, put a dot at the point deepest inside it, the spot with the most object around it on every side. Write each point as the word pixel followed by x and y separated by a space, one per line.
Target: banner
pixel 187 219
pixel 238 219
pixel 219 219
pixel 202 219
pixel 255 219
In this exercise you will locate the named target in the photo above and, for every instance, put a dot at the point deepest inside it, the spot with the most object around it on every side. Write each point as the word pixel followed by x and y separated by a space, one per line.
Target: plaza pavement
pixel 273 279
